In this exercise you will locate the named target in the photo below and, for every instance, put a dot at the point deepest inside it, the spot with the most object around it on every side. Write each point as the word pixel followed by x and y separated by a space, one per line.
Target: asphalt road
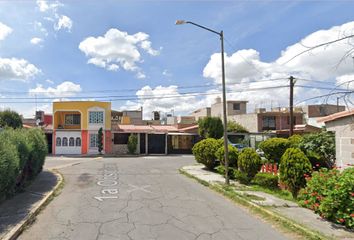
pixel 140 198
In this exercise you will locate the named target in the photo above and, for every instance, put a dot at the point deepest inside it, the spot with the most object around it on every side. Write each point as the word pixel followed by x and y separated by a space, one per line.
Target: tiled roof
pixel 336 116
pixel 144 128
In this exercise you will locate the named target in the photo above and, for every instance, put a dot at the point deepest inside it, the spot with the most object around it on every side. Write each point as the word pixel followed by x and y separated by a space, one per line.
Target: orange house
pixel 76 125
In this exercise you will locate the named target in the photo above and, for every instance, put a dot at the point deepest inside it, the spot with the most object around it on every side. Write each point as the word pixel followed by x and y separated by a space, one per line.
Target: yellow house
pixel 76 125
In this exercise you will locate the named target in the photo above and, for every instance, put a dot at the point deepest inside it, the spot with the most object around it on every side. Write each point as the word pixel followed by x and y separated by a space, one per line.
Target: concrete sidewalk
pixel 284 208
pixel 17 211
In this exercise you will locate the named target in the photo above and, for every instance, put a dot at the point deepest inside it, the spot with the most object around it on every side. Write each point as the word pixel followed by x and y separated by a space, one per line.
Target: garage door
pixel 67 143
pixel 156 143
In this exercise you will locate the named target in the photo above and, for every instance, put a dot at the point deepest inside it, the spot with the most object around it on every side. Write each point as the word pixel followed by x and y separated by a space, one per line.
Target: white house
pixel 342 124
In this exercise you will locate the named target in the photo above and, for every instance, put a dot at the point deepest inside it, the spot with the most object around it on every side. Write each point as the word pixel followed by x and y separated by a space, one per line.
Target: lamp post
pixel 221 35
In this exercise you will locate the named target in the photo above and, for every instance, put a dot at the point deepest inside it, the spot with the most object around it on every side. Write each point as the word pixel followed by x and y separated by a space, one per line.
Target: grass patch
pixel 283 194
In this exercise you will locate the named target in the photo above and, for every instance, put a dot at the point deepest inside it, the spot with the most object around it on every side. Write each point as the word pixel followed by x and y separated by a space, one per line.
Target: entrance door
pixel 142 143
pixel 156 143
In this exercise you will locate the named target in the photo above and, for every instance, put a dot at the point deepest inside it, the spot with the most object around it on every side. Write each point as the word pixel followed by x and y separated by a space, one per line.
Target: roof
pixel 336 116
pixel 301 128
pixel 144 128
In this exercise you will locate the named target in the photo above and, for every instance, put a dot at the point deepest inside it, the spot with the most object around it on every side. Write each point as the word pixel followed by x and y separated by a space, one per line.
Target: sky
pixel 132 54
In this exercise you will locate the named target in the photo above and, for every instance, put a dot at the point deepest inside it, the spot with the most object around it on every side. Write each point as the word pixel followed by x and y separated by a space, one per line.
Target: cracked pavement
pixel 148 199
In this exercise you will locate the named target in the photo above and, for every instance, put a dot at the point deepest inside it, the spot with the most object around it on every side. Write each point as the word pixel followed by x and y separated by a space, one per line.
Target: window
pixel 58 142
pixel 65 141
pixel 78 142
pixel 121 138
pixel 96 117
pixel 71 142
pixel 93 140
pixel 268 123
pixel 237 106
pixel 72 119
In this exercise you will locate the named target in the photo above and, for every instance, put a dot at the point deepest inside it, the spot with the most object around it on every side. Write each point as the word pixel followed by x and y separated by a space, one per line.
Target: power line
pixel 324 95
pixel 152 97
pixel 317 46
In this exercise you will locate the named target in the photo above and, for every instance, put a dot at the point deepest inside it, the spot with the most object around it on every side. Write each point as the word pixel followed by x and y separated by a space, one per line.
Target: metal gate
pixel 156 143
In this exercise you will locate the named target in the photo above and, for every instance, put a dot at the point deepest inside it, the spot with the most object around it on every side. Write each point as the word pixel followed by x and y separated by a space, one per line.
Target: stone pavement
pixel 288 209
pixel 14 211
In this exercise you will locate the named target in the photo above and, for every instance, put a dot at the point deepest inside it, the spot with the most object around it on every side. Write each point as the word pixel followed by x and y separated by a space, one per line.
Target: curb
pixel 18 229
pixel 310 234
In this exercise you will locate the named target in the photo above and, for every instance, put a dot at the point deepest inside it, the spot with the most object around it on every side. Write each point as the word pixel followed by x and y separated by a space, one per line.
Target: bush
pixel 294 141
pixel 266 180
pixel 221 170
pixel 9 162
pixel 233 156
pixel 38 151
pixel 204 152
pixel 249 162
pixel 338 206
pixel 241 177
pixel 233 126
pixel 294 166
pixel 18 138
pixel 132 143
pixel 10 119
pixel 319 148
pixel 274 148
pixel 317 188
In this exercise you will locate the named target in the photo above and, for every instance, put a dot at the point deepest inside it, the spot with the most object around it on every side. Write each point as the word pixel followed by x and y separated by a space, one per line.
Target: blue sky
pixel 47 35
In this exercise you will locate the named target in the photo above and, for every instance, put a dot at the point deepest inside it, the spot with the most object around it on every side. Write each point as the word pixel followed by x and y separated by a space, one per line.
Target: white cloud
pixel 44 6
pixel 166 73
pixel 36 40
pixel 117 49
pixel 321 64
pixel 4 31
pixel 164 99
pixel 39 27
pixel 64 22
pixel 65 89
pixel 49 81
pixel 17 69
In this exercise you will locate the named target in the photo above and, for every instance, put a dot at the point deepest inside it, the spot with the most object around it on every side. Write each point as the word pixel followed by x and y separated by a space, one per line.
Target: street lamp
pixel 221 34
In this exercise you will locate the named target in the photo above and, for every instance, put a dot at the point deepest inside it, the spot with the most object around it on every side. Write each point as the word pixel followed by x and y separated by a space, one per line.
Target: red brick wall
pixel 108 142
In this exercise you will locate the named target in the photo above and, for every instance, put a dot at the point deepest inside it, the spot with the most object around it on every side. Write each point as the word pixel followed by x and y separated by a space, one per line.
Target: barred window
pixel 78 142
pixel 96 117
pixel 58 142
pixel 65 141
pixel 71 142
pixel 72 119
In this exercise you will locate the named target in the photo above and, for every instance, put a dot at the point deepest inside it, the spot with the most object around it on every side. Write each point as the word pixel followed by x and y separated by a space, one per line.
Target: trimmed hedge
pixel 249 162
pixel 274 148
pixel 204 152
pixel 9 162
pixel 241 177
pixel 233 156
pixel 294 166
pixel 22 155
pixel 267 180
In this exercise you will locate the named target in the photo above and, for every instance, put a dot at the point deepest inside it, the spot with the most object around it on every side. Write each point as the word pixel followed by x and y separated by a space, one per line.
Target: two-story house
pixel 76 125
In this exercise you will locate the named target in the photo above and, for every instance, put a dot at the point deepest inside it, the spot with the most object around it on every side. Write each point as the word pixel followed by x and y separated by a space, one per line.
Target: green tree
pixel 233 126
pixel 100 140
pixel 294 166
pixel 274 148
pixel 249 162
pixel 295 140
pixel 204 152
pixel 320 148
pixel 11 119
pixel 233 155
pixel 210 127
pixel 132 143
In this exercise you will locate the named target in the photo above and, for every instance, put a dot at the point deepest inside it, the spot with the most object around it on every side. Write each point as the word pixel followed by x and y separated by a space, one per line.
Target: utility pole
pixel 337 104
pixel 291 100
